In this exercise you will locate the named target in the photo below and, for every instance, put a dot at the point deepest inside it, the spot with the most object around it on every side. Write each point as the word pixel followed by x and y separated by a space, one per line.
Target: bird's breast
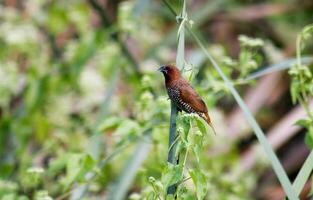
pixel 175 96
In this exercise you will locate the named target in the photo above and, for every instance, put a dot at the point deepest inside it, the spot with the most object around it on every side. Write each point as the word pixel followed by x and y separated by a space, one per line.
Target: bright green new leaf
pixel 202 125
pixel 306 123
pixel 172 174
pixel 77 166
pixel 200 181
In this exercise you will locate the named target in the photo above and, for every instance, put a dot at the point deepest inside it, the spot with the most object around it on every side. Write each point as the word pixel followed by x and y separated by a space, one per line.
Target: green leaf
pixel 202 125
pixel 295 90
pixel 172 174
pixel 58 19
pixel 183 128
pixel 72 168
pixel 197 145
pixel 306 123
pixel 200 181
pixel 87 163
pixel 41 125
pixel 77 166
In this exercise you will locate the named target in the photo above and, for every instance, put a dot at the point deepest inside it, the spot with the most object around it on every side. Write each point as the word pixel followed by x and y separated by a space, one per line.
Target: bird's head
pixel 170 72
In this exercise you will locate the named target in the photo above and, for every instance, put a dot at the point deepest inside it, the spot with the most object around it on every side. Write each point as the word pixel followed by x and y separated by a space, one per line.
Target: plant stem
pixel 175 141
pixel 304 99
pixel 180 60
pixel 172 135
pixel 172 147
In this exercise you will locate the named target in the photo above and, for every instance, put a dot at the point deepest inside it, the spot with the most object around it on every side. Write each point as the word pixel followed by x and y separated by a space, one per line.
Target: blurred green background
pixel 84 113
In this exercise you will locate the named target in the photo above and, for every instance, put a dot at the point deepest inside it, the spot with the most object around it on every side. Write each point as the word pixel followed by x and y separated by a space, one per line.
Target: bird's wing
pixel 190 96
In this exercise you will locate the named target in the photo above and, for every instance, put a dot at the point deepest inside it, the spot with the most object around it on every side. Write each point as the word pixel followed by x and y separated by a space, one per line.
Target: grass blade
pixel 172 135
pixel 180 58
pixel 303 174
pixel 286 64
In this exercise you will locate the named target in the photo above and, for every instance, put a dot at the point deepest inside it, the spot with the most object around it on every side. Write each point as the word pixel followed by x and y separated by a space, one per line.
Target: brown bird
pixel 183 95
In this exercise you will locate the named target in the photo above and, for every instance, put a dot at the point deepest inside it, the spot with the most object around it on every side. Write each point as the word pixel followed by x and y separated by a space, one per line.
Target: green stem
pixel 172 134
pixel 298 65
pixel 304 99
pixel 306 108
pixel 174 143
pixel 184 180
pixel 172 147
pixel 185 160
pixel 156 192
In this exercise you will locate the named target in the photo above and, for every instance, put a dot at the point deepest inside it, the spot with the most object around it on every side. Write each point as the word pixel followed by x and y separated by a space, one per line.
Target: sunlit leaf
pixel 200 182
pixel 172 174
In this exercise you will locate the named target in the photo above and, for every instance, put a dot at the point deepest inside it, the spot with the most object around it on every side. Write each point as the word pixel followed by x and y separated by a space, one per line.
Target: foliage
pixel 302 84
pixel 75 111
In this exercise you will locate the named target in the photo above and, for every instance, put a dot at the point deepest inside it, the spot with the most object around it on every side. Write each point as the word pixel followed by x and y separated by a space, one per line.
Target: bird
pixel 182 94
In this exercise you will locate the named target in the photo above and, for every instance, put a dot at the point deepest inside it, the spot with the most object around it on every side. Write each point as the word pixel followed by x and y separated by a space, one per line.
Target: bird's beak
pixel 162 69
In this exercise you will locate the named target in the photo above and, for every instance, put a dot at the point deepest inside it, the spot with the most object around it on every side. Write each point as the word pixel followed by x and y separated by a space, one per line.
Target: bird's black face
pixel 163 69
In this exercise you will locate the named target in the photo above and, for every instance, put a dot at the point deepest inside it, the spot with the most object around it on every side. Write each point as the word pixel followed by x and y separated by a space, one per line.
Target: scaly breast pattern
pixel 174 95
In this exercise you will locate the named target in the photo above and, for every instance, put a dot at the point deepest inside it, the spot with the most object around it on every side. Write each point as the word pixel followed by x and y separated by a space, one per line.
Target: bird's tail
pixel 207 118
